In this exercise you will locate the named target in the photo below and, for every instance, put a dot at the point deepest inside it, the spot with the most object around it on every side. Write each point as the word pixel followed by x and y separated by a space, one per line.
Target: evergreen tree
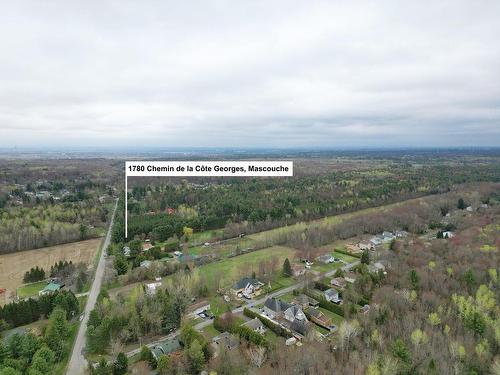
pixel 120 366
pixel 195 357
pixel 287 268
pixel 461 204
pixel 365 257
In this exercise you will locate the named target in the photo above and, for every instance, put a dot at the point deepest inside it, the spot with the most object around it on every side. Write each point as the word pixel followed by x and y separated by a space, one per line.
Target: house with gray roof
pixel 255 325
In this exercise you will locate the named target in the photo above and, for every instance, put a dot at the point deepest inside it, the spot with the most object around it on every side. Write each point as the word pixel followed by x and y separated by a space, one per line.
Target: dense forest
pixel 163 210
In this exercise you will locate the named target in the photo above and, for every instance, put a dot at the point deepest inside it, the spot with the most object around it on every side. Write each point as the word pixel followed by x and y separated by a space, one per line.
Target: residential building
pixel 305 301
pixel 226 340
pixel 366 245
pixel 339 282
pixel 318 317
pixel 145 264
pixel 255 325
pixel 247 287
pixel 332 295
pixel 326 258
pixel 165 348
pixel 50 288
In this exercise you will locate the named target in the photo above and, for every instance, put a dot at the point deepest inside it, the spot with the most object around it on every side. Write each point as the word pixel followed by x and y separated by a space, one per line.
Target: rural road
pixel 249 304
pixel 77 364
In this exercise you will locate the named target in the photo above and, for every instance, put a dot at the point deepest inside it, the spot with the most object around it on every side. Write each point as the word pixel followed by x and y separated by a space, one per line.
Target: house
pixel 226 340
pixel 326 258
pixel 305 301
pixel 146 246
pixel 339 282
pixel 145 264
pixel 332 295
pixel 469 209
pixel 387 236
pixel 255 325
pixel 375 267
pixel 401 233
pixel 247 287
pixel 318 317
pixel 293 313
pixel 366 245
pixel 365 309
pixel 166 347
pixel 177 253
pixel 50 288
pixel 126 251
pixel 151 288
pixel 300 326
pixel 274 307
pixel 376 241
pixel 448 234
pixel 291 341
pixel 298 270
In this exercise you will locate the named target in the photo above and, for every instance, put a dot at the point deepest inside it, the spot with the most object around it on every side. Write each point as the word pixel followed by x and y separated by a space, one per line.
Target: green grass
pixel 224 249
pixel 206 236
pixel 231 269
pixel 336 319
pixel 209 331
pixel 344 257
pixel 30 290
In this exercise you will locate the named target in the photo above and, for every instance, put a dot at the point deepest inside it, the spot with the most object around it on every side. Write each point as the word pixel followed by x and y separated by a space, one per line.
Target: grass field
pixel 13 266
pixel 336 319
pixel 232 268
pixel 30 290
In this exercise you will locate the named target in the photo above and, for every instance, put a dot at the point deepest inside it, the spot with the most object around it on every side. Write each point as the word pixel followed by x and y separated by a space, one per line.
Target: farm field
pixel 14 265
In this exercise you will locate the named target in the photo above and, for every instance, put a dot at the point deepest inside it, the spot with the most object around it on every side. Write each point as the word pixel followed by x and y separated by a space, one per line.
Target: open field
pixel 232 268
pixel 14 265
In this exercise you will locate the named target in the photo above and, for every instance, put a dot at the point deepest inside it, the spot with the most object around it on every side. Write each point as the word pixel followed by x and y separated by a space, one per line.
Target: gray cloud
pixel 260 73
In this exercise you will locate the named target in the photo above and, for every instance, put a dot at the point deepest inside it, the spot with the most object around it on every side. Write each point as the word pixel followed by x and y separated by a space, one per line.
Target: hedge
pixel 268 323
pixel 348 253
pixel 324 303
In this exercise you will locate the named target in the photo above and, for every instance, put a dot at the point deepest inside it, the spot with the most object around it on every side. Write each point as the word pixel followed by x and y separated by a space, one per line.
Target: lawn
pixel 30 290
pixel 231 269
pixel 210 332
pixel 206 236
pixel 336 319
pixel 225 248
pixel 346 258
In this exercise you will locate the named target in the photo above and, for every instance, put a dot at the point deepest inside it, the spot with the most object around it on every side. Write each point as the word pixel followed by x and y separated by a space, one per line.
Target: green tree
pixel 365 257
pixel 287 268
pixel 147 355
pixel 57 331
pixel 400 351
pixel 120 264
pixel 43 360
pixel 195 357
pixel 9 371
pixel 164 365
pixel 461 204
pixel 120 366
pixel 414 279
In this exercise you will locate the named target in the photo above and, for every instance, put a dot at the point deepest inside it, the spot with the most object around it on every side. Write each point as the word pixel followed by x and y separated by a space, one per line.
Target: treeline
pixel 47 225
pixel 28 311
pixel 34 274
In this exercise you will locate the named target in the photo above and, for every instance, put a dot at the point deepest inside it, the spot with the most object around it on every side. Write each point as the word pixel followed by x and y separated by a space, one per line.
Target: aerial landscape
pixel 343 211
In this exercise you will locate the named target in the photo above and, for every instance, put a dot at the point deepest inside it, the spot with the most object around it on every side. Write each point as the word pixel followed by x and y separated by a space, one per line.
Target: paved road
pixel 250 304
pixel 77 363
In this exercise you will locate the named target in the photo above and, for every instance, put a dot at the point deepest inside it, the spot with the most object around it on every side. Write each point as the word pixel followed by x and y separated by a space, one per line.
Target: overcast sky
pixel 249 73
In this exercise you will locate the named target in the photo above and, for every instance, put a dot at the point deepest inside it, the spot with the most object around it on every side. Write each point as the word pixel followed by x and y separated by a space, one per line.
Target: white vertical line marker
pixel 126 201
